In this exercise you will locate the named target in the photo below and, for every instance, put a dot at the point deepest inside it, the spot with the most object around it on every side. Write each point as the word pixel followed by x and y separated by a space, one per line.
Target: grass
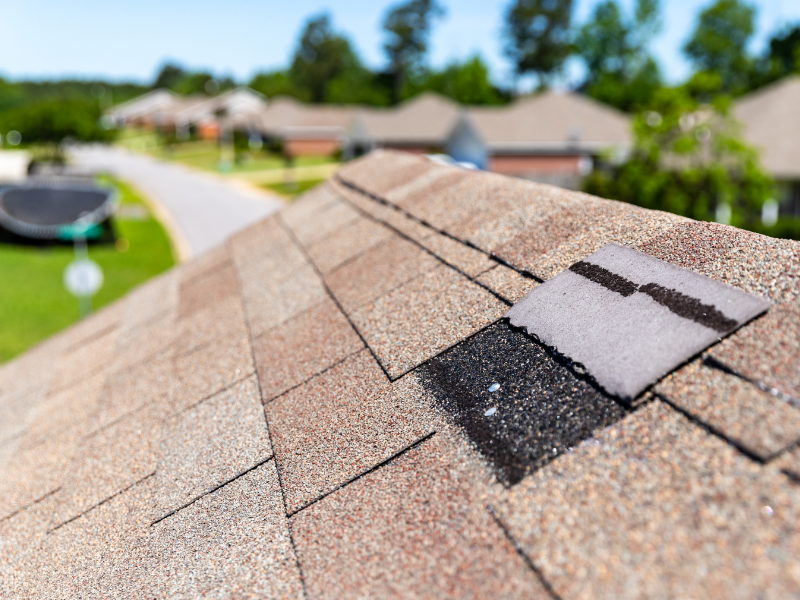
pixel 138 139
pixel 292 191
pixel 33 302
pixel 205 154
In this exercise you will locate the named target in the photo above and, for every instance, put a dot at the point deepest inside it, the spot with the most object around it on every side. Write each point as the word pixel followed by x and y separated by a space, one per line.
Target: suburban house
pixel 166 111
pixel 550 138
pixel 421 125
pixel 304 129
pixel 148 110
pixel 771 122
pixel 207 117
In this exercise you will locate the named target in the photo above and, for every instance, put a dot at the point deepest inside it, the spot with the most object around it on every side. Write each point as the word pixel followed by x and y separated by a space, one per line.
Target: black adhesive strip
pixel 682 305
pixel 689 308
pixel 604 277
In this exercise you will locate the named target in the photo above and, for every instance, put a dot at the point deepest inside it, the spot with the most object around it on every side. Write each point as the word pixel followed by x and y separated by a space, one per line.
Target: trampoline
pixel 55 209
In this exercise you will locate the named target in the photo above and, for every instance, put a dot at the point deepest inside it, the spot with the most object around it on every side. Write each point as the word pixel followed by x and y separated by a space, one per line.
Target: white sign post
pixel 83 278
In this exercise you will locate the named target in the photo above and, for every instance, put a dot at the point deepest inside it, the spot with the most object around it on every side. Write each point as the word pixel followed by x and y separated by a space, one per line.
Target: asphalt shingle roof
pixel 551 122
pixel 428 118
pixel 306 411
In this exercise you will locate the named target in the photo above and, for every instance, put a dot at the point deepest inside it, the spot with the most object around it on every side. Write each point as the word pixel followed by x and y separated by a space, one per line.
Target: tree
pixel 784 51
pixel 620 71
pixel 193 83
pixel 781 59
pixel 359 86
pixel 719 43
pixel 467 83
pixel 408 27
pixel 688 159
pixel 168 77
pixel 537 36
pixel 11 95
pixel 51 122
pixel 321 57
pixel 274 83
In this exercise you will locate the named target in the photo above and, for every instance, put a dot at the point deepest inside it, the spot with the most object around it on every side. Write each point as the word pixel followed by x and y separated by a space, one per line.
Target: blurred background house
pixel 420 125
pixel 770 120
pixel 550 137
pixel 198 115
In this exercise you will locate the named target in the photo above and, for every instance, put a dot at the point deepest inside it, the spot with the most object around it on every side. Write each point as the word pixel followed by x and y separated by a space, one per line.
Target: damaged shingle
pixel 519 406
pixel 629 318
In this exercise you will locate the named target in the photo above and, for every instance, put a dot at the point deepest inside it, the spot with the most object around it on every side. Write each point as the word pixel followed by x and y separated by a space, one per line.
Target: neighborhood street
pixel 203 208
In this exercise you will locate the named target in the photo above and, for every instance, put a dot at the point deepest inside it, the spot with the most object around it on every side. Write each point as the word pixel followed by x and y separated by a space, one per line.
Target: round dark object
pixel 48 209
pixel 49 206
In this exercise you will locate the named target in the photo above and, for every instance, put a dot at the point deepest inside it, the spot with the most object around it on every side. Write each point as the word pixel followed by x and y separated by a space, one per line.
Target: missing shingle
pixel 519 405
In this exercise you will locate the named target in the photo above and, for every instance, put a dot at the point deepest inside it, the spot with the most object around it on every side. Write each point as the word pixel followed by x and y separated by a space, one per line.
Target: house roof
pixel 166 106
pixel 307 411
pixel 238 103
pixel 771 121
pixel 551 122
pixel 425 119
pixel 287 117
pixel 153 101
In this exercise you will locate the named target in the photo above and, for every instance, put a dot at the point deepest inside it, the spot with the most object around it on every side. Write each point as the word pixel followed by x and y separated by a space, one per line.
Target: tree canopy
pixel 620 70
pixel 407 27
pixel 538 37
pixel 688 159
pixel 719 43
pixel 175 78
pixel 53 121
pixel 465 82
pixel 322 55
pixel 781 58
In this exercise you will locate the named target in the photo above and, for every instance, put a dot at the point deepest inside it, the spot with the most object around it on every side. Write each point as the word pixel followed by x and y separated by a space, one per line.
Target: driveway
pixel 203 208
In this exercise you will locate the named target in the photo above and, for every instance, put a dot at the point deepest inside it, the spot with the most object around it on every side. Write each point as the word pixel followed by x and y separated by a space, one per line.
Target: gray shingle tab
pixel 629 318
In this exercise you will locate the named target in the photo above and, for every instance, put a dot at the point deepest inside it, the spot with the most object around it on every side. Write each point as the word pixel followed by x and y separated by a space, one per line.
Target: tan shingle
pixel 340 425
pixel 415 529
pixel 655 507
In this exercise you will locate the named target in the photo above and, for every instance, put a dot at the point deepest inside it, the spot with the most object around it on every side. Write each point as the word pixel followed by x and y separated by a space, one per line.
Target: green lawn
pixel 292 191
pixel 203 154
pixel 33 301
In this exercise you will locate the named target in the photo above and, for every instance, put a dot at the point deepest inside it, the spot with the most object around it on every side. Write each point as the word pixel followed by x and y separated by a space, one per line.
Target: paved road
pixel 204 208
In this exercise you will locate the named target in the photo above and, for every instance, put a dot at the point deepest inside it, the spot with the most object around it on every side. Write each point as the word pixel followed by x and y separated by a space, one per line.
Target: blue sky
pixel 48 38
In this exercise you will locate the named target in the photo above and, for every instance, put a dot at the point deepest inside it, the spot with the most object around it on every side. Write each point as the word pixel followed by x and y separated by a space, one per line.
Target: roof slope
pixel 239 102
pixel 285 114
pixel 293 415
pixel 549 121
pixel 147 103
pixel 771 119
pixel 427 118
